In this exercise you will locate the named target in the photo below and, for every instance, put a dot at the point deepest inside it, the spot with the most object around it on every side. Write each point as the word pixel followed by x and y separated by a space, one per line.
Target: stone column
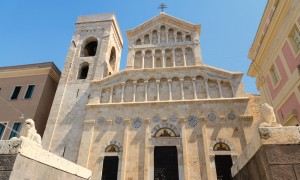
pixel 111 94
pixel 133 61
pixel 173 54
pixel 143 60
pixel 167 36
pixel 146 90
pixel 206 86
pixel 170 89
pixel 150 36
pixel 157 89
pixel 134 90
pixel 220 88
pixel 158 35
pixel 163 59
pixel 123 87
pixel 184 60
pixel 151 163
pixel 181 85
pixel 153 59
pixel 194 87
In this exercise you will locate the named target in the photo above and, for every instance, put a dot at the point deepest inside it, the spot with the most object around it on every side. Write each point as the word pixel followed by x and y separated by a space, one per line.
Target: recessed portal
pixel 110 168
pixel 223 165
pixel 165 163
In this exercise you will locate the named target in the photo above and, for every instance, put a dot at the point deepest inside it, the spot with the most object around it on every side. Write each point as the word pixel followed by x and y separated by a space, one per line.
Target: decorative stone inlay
pixel 137 122
pixel 101 120
pixel 231 116
pixel 211 116
pixel 173 118
pixel 193 121
pixel 156 118
pixel 118 120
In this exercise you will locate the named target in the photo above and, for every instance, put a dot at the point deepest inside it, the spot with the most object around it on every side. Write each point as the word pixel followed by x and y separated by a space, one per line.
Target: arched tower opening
pixel 90 47
pixel 83 70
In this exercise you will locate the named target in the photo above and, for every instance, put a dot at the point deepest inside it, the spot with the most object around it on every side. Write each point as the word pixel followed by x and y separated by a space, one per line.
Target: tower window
pixel 15 130
pixel 16 93
pixel 188 38
pixel 29 91
pixel 90 47
pixel 83 72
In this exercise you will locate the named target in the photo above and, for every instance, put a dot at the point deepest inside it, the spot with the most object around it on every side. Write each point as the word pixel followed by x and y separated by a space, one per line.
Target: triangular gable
pixel 163 17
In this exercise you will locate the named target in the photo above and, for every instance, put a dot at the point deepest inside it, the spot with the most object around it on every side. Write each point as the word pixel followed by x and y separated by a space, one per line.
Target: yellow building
pixel 275 56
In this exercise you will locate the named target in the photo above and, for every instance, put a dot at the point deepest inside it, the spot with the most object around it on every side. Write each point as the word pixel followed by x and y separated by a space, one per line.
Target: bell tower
pixel 94 53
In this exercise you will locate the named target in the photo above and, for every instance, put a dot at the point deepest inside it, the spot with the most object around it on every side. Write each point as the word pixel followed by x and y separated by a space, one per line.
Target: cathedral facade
pixel 166 116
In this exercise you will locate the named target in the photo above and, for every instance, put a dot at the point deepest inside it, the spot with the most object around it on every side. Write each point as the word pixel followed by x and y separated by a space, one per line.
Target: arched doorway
pixel 223 162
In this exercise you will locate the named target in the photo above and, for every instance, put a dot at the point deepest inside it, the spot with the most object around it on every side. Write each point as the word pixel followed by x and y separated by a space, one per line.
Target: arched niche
pixel 168 58
pixel 179 37
pixel 221 146
pixel 89 47
pixel 188 38
pixel 154 37
pixel 140 91
pixel 165 132
pixel 138 41
pixel 128 91
pixel 163 89
pixel 146 39
pixel 171 37
pixel 189 56
pixel 138 60
pixel 188 88
pixel 83 70
pixel 179 57
pixel 148 59
pixel 112 148
pixel 162 34
pixel 176 89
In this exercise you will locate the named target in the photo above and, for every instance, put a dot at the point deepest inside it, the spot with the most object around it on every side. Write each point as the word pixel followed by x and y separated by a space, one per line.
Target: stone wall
pixel 22 159
pixel 273 153
pixel 273 162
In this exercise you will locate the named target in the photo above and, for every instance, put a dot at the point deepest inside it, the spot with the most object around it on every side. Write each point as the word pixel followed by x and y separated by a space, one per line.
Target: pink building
pixel 28 90
pixel 275 56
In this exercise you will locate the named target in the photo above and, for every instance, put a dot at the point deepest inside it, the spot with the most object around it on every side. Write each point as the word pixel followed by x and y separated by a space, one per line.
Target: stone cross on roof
pixel 162 6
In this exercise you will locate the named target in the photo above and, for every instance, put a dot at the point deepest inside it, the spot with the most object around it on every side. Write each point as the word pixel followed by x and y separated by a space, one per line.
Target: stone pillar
pixel 167 36
pixel 185 150
pixel 146 90
pixel 206 86
pixel 157 89
pixel 163 59
pixel 125 142
pixel 133 61
pixel 173 54
pixel 153 59
pixel 85 147
pixel 147 151
pixel 150 36
pixel 123 87
pixel 158 35
pixel 194 87
pixel 111 94
pixel 143 60
pixel 220 88
pixel 182 92
pixel 184 60
pixel 151 163
pixel 134 90
pixel 170 89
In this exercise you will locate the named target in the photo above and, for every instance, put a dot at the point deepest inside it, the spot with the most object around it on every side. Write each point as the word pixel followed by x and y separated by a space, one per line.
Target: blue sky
pixel 36 31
